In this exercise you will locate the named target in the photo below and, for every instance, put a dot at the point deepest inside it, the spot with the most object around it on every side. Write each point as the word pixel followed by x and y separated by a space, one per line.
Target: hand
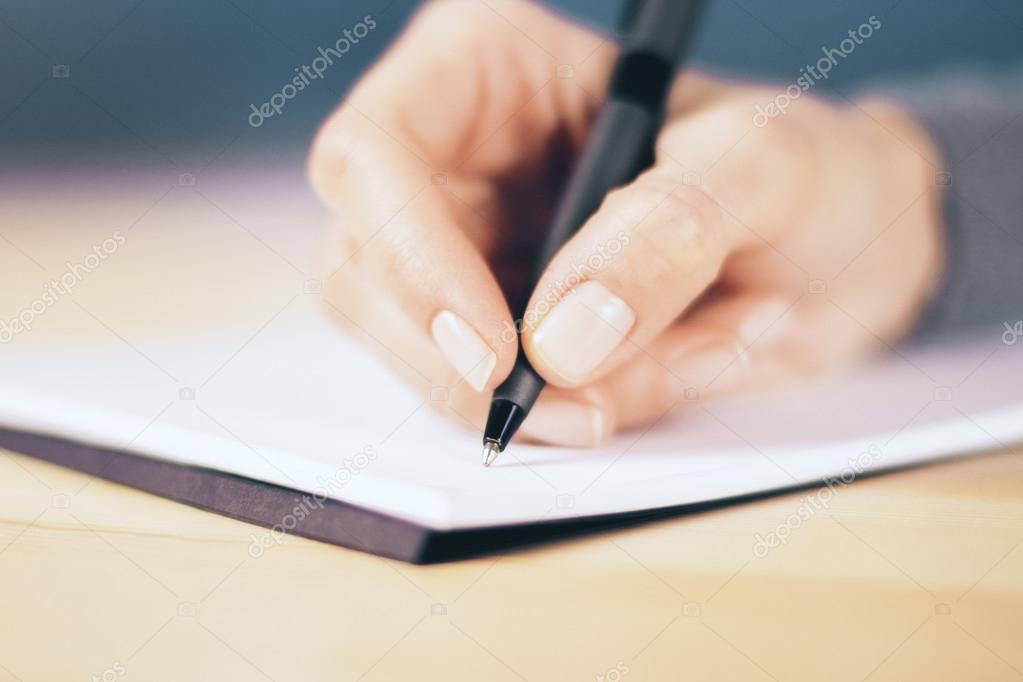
pixel 753 252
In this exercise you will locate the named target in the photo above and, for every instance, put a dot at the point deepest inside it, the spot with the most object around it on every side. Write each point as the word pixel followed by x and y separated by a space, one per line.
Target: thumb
pixel 648 253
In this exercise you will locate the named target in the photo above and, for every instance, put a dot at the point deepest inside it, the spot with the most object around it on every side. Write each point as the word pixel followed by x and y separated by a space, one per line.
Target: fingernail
pixel 711 368
pixel 471 357
pixel 582 330
pixel 564 422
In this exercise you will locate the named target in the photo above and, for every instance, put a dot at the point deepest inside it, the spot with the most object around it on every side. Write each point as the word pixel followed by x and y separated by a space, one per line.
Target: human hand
pixel 750 254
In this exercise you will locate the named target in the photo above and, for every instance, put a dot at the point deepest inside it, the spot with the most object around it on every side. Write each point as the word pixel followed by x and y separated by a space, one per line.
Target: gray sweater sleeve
pixel 977 120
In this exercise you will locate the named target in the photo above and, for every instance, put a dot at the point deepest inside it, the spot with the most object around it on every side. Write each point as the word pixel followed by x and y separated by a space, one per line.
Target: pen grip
pixel 621 146
pixel 523 385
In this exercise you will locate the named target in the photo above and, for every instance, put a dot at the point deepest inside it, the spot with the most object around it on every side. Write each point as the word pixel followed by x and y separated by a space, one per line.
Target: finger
pixel 489 59
pixel 734 343
pixel 656 380
pixel 654 246
pixel 738 343
pixel 379 163
pixel 440 286
pixel 577 418
pixel 358 305
pixel 650 250
pixel 405 232
pixel 759 176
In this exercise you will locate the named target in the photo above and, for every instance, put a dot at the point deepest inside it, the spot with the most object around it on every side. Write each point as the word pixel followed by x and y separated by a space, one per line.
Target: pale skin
pixel 751 254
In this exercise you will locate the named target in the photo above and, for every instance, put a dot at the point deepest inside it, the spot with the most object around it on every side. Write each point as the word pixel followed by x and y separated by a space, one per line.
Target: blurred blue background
pixel 171 83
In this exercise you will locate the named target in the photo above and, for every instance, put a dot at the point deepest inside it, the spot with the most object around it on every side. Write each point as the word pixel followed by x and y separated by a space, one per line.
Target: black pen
pixel 656 33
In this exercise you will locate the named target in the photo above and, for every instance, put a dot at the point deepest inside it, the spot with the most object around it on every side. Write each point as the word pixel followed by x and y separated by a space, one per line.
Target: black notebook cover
pixel 335 522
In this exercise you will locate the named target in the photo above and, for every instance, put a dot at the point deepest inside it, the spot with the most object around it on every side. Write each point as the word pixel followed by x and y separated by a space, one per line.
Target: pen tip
pixel 490 452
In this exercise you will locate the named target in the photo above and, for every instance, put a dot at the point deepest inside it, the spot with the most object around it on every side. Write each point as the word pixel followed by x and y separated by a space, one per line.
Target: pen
pixel 620 145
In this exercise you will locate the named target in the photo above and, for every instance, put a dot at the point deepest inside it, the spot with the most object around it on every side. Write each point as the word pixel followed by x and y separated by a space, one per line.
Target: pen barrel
pixel 621 146
pixel 660 27
pixel 656 33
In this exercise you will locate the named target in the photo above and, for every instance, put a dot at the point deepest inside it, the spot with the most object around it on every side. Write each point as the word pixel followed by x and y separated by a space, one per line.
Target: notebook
pixel 196 361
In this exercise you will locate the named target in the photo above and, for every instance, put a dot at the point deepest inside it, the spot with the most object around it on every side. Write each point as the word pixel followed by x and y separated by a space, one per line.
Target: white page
pixel 197 300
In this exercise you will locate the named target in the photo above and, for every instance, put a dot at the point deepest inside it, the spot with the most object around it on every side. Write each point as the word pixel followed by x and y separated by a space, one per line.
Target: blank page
pixel 202 340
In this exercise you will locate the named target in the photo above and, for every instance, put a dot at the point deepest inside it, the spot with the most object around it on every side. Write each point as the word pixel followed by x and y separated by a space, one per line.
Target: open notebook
pixel 164 373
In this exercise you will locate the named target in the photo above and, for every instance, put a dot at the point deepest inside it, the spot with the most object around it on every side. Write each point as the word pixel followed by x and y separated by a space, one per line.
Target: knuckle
pixel 686 228
pixel 330 156
pixel 630 207
pixel 788 139
pixel 397 254
pixel 454 19
pixel 789 143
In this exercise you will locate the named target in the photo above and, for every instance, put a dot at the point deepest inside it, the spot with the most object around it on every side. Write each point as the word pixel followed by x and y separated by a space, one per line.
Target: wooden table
pixel 913 575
